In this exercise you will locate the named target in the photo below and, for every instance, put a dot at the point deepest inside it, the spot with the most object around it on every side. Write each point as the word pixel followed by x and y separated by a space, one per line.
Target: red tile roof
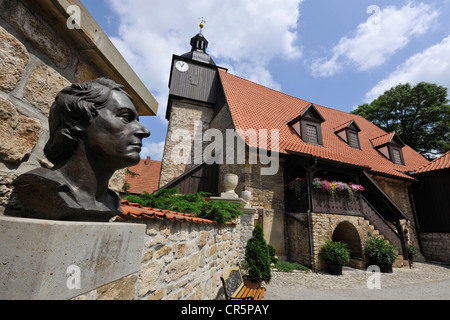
pixel 343 126
pixel 440 163
pixel 134 211
pixel 256 107
pixel 384 139
pixel 147 178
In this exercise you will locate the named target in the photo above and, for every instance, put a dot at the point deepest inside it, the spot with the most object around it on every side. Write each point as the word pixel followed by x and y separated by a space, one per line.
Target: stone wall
pixel 298 244
pixel 399 192
pixel 324 225
pixel 35 64
pixel 150 260
pixel 181 262
pixel 181 149
pixel 436 246
pixel 355 230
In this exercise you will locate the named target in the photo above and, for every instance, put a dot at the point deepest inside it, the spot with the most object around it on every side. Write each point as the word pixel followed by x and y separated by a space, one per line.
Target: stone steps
pixel 401 261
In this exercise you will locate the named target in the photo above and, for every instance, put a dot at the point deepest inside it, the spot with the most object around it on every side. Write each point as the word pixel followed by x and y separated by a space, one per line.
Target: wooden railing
pixel 340 203
pixel 381 225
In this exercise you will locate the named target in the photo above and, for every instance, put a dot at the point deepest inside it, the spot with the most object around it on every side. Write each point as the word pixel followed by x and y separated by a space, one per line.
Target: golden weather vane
pixel 202 23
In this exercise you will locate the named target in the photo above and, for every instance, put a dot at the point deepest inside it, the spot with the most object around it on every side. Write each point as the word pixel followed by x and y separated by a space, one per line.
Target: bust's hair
pixel 72 111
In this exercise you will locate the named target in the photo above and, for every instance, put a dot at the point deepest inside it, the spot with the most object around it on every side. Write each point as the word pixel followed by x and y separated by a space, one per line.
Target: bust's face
pixel 114 137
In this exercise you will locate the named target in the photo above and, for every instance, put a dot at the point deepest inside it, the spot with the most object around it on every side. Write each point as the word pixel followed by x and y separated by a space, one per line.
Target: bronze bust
pixel 94 131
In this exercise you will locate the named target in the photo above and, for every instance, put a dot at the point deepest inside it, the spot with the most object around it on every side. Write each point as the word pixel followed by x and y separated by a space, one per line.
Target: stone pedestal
pixel 52 260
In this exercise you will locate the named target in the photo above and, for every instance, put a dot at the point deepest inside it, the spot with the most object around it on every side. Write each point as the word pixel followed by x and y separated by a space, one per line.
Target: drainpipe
pixel 309 215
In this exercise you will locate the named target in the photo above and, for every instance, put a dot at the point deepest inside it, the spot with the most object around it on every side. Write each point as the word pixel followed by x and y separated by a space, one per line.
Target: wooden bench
pixel 235 288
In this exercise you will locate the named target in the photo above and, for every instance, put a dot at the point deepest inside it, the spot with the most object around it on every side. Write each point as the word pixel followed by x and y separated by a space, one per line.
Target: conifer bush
pixel 257 257
pixel 194 203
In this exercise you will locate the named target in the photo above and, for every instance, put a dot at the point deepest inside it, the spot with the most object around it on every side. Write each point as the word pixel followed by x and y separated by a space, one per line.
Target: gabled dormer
pixel 349 132
pixel 308 125
pixel 391 146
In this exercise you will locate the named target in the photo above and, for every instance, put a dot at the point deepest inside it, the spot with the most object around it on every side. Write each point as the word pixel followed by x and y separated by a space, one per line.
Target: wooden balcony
pixel 340 203
pixel 325 203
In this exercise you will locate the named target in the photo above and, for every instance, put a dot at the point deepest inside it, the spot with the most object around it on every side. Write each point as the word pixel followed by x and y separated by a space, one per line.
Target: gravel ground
pixel 424 281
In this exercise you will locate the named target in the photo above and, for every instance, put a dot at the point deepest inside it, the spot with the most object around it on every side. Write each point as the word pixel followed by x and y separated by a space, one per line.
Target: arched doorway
pixel 346 233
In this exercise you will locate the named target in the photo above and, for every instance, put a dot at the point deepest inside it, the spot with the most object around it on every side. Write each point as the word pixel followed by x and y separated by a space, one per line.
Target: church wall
pixel 188 122
pixel 267 191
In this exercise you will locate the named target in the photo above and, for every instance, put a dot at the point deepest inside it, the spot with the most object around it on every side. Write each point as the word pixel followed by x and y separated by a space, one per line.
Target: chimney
pixel 148 161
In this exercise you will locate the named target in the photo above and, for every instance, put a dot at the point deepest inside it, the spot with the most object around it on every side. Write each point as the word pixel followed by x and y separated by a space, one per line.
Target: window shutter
pixel 311 134
pixel 353 140
pixel 397 156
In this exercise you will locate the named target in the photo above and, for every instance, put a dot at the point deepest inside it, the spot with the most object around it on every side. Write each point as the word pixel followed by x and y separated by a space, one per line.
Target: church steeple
pixel 198 48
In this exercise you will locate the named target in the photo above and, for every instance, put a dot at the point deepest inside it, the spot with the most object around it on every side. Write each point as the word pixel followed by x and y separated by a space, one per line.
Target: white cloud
pixel 377 39
pixel 431 65
pixel 243 35
pixel 154 150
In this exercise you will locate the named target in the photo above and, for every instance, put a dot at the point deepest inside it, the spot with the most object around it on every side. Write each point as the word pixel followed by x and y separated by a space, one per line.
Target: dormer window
pixel 390 146
pixel 308 126
pixel 349 132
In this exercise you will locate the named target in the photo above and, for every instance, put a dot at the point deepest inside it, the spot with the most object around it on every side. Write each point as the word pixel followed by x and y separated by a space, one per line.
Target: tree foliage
pixel 420 115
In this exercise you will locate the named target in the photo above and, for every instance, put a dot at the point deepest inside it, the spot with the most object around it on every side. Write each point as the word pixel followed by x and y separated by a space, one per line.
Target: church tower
pixel 194 86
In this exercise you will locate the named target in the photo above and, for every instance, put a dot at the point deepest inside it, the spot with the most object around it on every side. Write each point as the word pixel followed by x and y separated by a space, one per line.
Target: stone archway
pixel 347 233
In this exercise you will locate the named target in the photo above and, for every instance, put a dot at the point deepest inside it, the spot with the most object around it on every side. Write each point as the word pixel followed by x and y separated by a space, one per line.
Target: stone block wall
pixel 323 227
pixel 399 192
pixel 436 246
pixel 298 246
pixel 181 261
pixel 35 64
pixel 182 152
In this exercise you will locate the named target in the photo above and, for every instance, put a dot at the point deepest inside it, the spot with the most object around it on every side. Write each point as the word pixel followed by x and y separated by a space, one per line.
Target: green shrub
pixel 286 266
pixel 272 252
pixel 412 252
pixel 335 253
pixel 195 203
pixel 380 251
pixel 257 258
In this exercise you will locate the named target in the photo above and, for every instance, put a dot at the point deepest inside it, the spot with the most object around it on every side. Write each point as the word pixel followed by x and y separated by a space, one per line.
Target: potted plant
pixel 381 253
pixel 412 253
pixel 257 259
pixel 336 255
pixel 298 185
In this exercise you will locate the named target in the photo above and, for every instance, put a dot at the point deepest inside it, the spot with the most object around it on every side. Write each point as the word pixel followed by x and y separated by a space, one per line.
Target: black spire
pixel 198 48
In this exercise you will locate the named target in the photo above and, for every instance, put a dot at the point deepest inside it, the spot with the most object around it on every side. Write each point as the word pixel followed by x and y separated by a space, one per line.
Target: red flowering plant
pixel 337 186
pixel 298 184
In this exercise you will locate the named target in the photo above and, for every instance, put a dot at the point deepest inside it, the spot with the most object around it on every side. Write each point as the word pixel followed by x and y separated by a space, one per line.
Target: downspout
pixel 416 221
pixel 309 215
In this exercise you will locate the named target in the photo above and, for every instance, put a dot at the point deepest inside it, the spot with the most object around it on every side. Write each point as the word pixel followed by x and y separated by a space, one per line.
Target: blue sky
pixel 338 54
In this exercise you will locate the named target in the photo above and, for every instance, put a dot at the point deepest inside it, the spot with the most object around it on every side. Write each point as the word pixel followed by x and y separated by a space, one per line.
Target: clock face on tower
pixel 182 66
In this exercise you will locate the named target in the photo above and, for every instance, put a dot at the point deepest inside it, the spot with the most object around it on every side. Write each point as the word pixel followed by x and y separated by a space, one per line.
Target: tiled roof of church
pixel 440 163
pixel 257 107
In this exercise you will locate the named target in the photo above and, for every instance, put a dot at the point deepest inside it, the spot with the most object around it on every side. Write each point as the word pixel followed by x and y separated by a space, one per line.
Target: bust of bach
pixel 94 131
